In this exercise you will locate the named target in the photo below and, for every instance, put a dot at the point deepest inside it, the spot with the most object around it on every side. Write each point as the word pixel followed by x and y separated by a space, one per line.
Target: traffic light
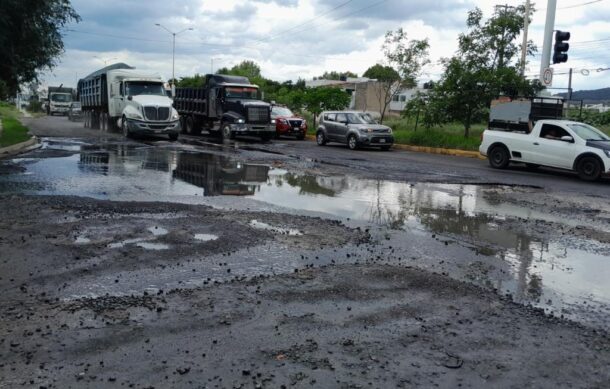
pixel 560 50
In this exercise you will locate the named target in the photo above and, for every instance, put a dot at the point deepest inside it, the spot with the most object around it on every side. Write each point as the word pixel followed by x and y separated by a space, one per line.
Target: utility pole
pixel 570 85
pixel 548 36
pixel 526 25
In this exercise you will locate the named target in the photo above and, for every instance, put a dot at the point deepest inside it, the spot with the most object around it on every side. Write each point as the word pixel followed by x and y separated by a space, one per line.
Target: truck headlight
pixel 240 121
pixel 132 115
pixel 175 116
pixel 272 121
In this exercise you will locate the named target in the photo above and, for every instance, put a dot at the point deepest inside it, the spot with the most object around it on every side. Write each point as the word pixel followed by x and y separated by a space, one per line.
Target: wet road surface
pixel 103 225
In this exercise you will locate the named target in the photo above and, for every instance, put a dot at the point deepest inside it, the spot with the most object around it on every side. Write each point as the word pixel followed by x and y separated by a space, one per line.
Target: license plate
pixel 158 131
pixel 296 129
pixel 381 140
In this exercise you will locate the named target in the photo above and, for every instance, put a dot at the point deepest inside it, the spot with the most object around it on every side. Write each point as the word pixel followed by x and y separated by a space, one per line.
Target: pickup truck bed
pixel 559 144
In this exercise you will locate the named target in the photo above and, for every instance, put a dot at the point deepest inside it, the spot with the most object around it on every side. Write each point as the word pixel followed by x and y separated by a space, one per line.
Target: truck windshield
pixel 241 93
pixel 136 88
pixel 61 97
pixel 587 132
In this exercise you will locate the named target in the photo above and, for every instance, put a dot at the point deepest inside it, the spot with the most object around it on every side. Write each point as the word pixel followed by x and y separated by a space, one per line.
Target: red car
pixel 287 123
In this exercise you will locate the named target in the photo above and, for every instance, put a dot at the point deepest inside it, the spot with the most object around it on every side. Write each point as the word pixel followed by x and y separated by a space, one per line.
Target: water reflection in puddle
pixel 470 215
pixel 278 230
pixel 205 237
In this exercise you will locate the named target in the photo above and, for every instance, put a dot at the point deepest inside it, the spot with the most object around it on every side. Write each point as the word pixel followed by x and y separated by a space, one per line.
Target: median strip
pixel 430 150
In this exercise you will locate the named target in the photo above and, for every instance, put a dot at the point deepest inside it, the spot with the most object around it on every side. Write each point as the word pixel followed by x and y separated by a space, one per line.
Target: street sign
pixel 547 77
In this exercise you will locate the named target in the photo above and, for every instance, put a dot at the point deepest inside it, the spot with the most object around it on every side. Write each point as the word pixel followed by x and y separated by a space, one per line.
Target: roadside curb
pixel 31 144
pixel 430 150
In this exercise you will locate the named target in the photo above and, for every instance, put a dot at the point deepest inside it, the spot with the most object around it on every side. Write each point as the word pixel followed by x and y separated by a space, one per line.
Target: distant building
pixel 365 94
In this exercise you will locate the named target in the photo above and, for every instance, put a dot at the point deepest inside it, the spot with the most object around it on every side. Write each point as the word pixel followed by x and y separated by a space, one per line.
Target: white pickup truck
pixel 559 144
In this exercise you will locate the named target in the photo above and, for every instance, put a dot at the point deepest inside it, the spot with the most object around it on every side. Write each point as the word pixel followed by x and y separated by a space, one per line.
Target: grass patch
pixel 450 136
pixel 12 130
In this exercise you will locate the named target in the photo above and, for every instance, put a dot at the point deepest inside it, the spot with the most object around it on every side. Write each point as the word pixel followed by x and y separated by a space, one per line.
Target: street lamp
pixel 104 60
pixel 173 52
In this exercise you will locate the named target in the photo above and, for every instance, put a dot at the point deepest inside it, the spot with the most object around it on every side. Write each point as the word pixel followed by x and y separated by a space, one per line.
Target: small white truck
pixel 562 144
pixel 121 97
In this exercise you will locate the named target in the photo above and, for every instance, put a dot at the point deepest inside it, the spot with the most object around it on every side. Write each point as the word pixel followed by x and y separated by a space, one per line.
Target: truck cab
pixel 59 100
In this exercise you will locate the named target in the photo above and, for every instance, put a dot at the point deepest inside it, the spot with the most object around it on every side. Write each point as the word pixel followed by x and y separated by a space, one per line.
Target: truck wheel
pixel 499 157
pixel 125 128
pixel 589 169
pixel 189 125
pixel 320 138
pixel 352 142
pixel 227 134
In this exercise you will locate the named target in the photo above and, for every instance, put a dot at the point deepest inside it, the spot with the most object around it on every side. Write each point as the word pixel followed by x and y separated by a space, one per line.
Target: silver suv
pixel 354 128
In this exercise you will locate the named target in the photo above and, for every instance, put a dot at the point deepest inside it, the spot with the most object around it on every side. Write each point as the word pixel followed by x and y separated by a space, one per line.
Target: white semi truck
pixel 121 97
pixel 59 100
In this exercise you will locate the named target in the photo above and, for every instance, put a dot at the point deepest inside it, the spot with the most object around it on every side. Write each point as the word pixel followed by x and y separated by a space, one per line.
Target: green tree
pixel 246 68
pixel 388 85
pixel 30 38
pixel 334 75
pixel 405 59
pixel 317 100
pixel 196 81
pixel 484 67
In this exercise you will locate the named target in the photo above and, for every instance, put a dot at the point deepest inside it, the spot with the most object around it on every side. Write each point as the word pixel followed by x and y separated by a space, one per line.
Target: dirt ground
pixel 343 326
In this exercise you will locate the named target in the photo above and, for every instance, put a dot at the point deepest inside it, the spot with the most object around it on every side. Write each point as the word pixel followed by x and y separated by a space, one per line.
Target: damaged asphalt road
pixel 152 264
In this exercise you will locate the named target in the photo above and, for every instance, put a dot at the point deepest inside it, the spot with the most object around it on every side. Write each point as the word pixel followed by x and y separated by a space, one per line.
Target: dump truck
pixel 59 100
pixel 121 97
pixel 225 105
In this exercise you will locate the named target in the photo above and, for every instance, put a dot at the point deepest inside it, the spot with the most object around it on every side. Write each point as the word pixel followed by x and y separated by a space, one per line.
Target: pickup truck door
pixel 549 150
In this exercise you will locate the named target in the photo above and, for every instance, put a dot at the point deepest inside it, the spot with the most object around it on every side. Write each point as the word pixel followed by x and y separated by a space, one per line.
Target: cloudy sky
pixel 303 38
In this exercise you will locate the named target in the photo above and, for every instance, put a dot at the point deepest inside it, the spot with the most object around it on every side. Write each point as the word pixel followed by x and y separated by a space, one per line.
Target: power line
pixel 346 15
pixel 574 5
pixel 305 23
pixel 580 5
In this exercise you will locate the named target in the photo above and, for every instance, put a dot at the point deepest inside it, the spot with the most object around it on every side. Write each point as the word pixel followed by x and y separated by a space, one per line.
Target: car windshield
pixel 281 111
pixel 241 93
pixel 368 119
pixel 61 97
pixel 587 132
pixel 355 118
pixel 145 88
pixel 75 105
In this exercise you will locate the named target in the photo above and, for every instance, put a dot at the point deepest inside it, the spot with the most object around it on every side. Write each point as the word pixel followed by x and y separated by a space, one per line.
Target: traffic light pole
pixel 548 36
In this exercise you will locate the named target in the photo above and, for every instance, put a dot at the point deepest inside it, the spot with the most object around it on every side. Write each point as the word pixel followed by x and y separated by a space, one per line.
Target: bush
pixel 35 106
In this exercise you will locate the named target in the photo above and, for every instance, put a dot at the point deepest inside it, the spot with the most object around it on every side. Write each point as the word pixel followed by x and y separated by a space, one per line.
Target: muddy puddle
pixel 541 260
